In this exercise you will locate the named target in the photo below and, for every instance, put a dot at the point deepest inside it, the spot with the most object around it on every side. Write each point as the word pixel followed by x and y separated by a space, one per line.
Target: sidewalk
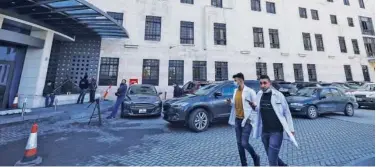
pixel 63 112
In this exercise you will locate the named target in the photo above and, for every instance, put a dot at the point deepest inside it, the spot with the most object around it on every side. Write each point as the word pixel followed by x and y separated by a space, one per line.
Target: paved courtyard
pixel 330 140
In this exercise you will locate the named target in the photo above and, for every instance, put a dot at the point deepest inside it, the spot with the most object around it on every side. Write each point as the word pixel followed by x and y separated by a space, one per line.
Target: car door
pixel 326 102
pixel 219 104
pixel 339 99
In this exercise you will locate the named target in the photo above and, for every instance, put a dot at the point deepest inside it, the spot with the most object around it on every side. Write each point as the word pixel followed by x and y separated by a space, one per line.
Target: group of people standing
pixel 265 114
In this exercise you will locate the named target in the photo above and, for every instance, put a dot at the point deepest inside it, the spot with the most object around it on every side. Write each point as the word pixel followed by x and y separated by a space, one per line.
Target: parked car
pixel 207 104
pixel 365 95
pixel 312 101
pixel 354 84
pixel 142 100
pixel 192 86
pixel 286 88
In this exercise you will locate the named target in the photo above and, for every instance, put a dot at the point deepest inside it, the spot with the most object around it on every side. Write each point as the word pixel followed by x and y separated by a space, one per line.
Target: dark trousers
pixel 272 142
pixel 49 100
pixel 92 95
pixel 118 102
pixel 242 139
pixel 82 96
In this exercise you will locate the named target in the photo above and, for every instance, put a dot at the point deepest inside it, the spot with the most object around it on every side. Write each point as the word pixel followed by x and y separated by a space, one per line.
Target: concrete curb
pixel 357 161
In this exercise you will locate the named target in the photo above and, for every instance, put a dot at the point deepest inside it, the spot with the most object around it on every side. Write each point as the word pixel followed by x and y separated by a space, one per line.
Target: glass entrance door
pixel 6 74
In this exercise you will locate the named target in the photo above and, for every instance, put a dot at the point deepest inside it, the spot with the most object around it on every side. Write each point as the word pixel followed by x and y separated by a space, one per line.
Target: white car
pixel 365 95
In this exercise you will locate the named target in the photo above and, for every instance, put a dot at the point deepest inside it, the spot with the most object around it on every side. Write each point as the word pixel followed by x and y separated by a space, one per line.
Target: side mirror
pixel 159 93
pixel 217 94
pixel 322 97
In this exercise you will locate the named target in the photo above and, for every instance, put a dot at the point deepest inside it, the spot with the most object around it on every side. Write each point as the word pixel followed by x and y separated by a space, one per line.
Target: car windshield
pixel 142 89
pixel 205 89
pixel 352 86
pixel 367 87
pixel 287 85
pixel 307 92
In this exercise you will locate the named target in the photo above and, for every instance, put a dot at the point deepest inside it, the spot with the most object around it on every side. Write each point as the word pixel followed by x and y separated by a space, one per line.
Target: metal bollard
pixel 56 100
pixel 165 95
pixel 23 109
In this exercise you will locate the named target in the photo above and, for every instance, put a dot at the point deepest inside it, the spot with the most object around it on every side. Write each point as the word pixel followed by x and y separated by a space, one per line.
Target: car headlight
pixel 371 95
pixel 297 104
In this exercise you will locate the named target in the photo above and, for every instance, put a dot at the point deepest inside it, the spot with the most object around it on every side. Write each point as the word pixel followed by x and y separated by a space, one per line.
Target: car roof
pixel 142 85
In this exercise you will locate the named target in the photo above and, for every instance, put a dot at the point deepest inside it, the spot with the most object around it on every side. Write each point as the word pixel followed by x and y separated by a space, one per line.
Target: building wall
pixel 239 19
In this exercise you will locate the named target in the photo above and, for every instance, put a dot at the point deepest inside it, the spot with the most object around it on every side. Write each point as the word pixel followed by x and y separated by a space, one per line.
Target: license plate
pixel 142 111
pixel 359 99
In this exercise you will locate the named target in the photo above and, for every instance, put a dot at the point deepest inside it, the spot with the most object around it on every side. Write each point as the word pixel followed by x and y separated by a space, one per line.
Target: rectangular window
pixel 176 72
pixel 350 21
pixel 278 72
pixel 274 38
pixel 312 76
pixel 258 37
pixel 369 44
pixel 307 41
pixel 117 16
pixel 186 32
pixel 319 42
pixel 270 7
pixel 315 14
pixel 342 44
pixel 221 71
pixel 303 12
pixel 298 72
pixel 220 34
pixel 366 73
pixel 355 46
pixel 187 1
pixel 255 5
pixel 108 72
pixel 217 3
pixel 361 4
pixel 346 2
pixel 261 69
pixel 150 72
pixel 153 28
pixel 366 25
pixel 348 73
pixel 333 19
pixel 199 71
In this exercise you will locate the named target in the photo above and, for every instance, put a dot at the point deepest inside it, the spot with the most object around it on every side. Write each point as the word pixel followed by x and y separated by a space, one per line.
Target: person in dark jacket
pixel 49 95
pixel 177 90
pixel 121 93
pixel 92 88
pixel 84 84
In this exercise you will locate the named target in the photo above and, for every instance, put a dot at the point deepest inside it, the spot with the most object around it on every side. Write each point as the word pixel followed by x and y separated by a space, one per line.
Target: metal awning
pixel 72 17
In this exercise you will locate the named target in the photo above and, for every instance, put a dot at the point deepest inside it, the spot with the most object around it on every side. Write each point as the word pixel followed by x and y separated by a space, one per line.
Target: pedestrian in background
pixel 274 122
pixel 177 90
pixel 84 84
pixel 242 118
pixel 48 94
pixel 120 93
pixel 92 88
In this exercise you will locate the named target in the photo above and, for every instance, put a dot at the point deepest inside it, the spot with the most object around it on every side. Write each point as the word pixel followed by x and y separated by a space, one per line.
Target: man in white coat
pixel 242 118
pixel 274 122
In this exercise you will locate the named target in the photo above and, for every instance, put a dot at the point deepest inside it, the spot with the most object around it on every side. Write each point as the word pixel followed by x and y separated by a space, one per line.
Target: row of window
pixel 320 44
pixel 315 16
pixel 255 4
pixel 347 2
pixel 150 71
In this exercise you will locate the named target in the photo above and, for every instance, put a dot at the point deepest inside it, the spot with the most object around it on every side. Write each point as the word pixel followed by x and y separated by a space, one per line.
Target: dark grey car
pixel 203 107
pixel 141 100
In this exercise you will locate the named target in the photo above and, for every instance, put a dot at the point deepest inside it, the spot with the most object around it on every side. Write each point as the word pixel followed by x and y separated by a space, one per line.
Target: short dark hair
pixel 265 77
pixel 238 75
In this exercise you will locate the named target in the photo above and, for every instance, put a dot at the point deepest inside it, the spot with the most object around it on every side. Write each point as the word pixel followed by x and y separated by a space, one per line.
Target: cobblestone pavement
pixel 328 140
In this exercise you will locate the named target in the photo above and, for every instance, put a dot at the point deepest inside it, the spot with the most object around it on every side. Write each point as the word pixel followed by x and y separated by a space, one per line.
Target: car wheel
pixel 312 112
pixel 198 120
pixel 349 110
pixel 122 114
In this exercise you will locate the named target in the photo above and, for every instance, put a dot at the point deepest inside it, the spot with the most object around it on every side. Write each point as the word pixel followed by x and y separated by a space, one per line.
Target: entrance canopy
pixel 70 17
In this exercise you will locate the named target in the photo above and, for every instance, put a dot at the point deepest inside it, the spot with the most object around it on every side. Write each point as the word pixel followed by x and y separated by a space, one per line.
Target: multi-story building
pixel 162 42
pixel 174 41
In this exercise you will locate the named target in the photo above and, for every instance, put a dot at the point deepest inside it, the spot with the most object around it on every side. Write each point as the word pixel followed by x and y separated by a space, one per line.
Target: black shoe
pixel 256 161
pixel 110 117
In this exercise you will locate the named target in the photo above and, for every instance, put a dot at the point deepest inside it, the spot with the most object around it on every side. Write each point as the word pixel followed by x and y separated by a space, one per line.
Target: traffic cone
pixel 15 102
pixel 30 157
pixel 106 93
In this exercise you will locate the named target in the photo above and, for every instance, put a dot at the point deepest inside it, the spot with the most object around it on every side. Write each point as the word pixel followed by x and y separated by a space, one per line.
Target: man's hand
pixel 228 101
pixel 252 104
